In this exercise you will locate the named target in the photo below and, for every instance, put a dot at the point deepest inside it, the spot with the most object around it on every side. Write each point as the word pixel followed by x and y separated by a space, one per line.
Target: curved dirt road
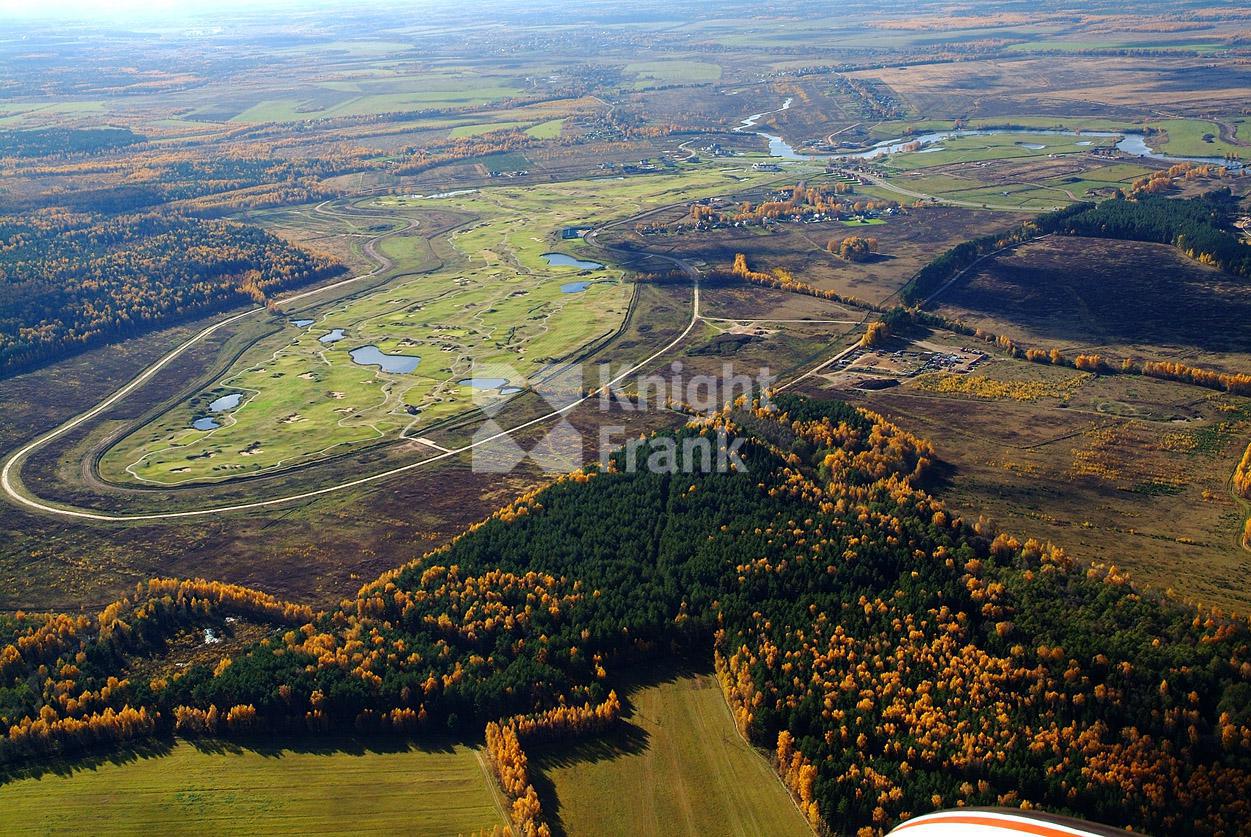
pixel 13 463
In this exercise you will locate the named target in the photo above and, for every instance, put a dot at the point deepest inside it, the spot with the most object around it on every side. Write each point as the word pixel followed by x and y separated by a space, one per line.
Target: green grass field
pixel 682 770
pixel 1186 139
pixel 977 148
pixel 496 309
pixel 244 791
pixel 547 130
pixel 686 72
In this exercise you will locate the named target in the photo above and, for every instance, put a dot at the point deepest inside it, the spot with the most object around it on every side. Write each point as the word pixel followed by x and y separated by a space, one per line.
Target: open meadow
pixel 688 772
pixel 379 788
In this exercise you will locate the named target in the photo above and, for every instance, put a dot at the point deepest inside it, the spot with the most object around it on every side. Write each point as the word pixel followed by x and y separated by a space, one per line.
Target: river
pixel 1133 144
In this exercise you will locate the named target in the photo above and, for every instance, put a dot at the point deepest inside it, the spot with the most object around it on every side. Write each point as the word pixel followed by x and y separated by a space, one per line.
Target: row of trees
pixel 783 279
pixel 833 200
pixel 959 258
pixel 511 766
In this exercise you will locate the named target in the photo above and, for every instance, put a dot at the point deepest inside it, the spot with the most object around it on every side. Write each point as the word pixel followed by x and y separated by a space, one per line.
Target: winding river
pixel 1133 144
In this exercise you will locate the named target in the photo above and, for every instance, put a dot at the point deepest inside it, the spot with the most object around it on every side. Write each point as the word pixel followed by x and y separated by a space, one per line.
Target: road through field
pixel 899 190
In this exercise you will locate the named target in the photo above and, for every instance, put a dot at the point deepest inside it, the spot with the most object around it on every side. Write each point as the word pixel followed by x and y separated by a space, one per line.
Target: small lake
pixel 574 287
pixel 373 356
pixel 302 323
pixel 440 195
pixel 226 402
pixel 222 404
pixel 487 383
pixel 333 337
pixel 564 260
pixel 1033 146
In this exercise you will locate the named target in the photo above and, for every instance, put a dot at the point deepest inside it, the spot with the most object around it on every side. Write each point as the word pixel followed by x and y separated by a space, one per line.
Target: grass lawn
pixel 235 791
pixel 680 768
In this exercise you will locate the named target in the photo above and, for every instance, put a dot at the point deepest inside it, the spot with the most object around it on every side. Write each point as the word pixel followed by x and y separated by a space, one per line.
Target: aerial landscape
pixel 645 419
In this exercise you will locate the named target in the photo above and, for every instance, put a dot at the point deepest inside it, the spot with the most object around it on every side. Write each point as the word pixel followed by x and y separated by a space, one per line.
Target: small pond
pixel 373 356
pixel 205 423
pixel 334 336
pixel 302 323
pixel 565 260
pixel 486 383
pixel 574 287
pixel 226 402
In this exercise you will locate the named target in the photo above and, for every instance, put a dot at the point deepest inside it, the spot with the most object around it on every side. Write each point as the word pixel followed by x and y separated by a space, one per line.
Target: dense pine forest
pixel 71 280
pixel 894 656
pixel 1199 227
pixel 51 142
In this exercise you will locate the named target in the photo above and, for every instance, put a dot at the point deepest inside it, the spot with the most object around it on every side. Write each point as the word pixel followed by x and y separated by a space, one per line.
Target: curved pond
pixel 226 402
pixel 221 404
pixel 1133 144
pixel 373 356
pixel 334 336
pixel 302 323
pixel 565 260
pixel 574 287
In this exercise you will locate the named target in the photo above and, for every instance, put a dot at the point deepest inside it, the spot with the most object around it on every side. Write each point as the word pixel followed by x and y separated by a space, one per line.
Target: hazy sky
pixel 131 9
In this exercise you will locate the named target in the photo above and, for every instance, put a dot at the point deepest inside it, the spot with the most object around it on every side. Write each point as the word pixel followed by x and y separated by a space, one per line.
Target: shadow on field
pixel 269 746
pixel 626 739
pixel 279 745
pixel 77 762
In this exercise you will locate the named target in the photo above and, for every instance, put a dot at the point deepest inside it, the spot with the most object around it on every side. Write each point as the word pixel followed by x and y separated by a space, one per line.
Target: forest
pixel 53 142
pixel 1199 227
pixel 893 655
pixel 71 280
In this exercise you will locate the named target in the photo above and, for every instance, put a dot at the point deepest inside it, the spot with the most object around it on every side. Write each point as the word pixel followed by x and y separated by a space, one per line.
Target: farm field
pixel 687 770
pixel 227 789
